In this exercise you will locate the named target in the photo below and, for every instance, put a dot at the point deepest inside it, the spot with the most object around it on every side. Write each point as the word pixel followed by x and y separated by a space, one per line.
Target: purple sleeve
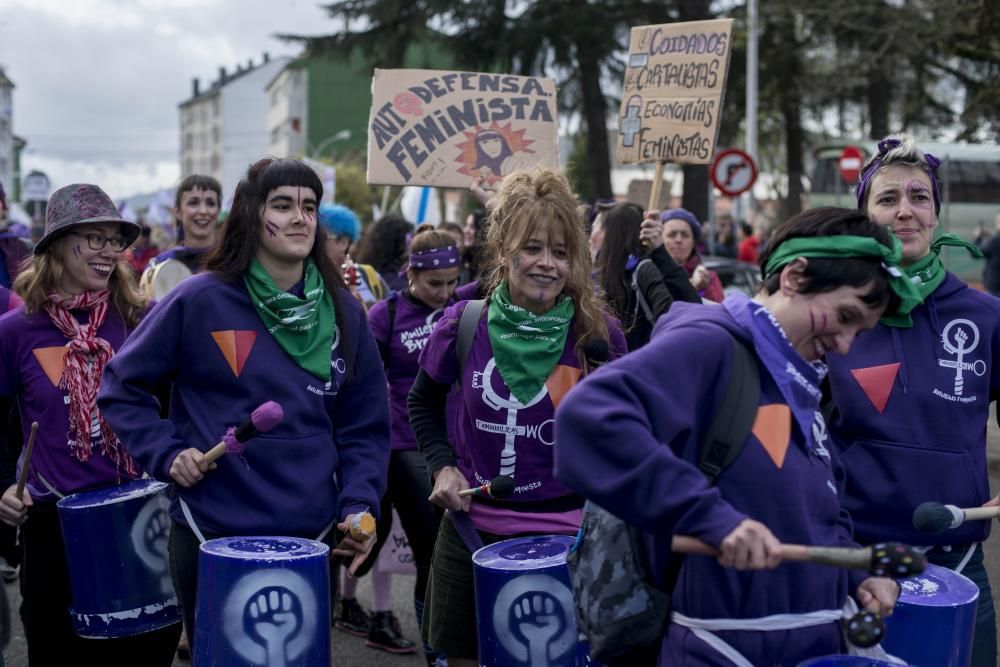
pixel 378 320
pixel 618 347
pixel 626 435
pixel 9 372
pixel 127 394
pixel 361 427
pixel 439 359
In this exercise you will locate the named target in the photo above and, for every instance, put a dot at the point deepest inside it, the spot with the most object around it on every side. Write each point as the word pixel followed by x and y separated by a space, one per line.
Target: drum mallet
pixel 498 487
pixel 23 477
pixel 889 559
pixel 263 419
pixel 934 518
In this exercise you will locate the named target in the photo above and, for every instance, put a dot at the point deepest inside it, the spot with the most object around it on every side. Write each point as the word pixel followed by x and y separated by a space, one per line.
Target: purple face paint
pixel 76 250
pixel 916 187
pixel 812 321
pixel 272 228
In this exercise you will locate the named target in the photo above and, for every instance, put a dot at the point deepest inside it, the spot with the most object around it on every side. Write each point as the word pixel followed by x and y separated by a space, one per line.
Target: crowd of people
pixel 582 351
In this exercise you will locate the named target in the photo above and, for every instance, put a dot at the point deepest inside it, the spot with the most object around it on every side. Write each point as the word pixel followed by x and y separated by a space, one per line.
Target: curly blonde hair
pixel 526 203
pixel 40 274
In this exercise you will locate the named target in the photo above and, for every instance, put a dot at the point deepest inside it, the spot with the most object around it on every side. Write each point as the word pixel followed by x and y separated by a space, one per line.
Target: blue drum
pixel 262 601
pixel 524 604
pixel 933 622
pixel 116 552
pixel 845 661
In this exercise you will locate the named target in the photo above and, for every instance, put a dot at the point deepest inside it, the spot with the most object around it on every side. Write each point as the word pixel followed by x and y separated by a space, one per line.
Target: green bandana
pixel 302 327
pixel 846 246
pixel 526 346
pixel 928 273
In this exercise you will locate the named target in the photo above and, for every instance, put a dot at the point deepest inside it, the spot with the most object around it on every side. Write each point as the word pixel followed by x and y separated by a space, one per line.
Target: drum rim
pixel 490 551
pixel 153 486
pixel 219 548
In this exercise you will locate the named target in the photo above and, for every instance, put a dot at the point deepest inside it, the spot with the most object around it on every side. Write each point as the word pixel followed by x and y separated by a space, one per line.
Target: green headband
pixel 845 247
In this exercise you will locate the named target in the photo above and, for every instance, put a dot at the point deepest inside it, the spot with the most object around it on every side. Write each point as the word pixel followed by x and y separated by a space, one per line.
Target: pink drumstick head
pixel 267 416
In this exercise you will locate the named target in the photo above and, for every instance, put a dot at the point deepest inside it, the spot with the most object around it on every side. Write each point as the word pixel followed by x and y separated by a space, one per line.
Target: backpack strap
pixel 467 326
pixel 374 281
pixel 640 298
pixel 725 438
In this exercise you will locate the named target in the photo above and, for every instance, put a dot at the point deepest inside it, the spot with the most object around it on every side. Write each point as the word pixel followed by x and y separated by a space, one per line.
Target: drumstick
pixel 654 192
pixel 935 518
pixel 23 477
pixel 263 419
pixel 889 559
pixel 498 487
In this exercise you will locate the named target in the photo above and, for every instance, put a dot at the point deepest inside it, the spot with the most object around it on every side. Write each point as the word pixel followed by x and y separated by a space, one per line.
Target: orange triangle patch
pixel 876 382
pixel 773 428
pixel 235 346
pixel 562 379
pixel 52 360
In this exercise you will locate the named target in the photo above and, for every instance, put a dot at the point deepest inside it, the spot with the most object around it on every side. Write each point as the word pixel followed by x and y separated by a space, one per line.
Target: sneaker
pixel 352 619
pixel 387 636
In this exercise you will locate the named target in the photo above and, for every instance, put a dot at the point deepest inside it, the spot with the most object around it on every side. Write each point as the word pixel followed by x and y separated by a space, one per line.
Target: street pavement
pixel 351 651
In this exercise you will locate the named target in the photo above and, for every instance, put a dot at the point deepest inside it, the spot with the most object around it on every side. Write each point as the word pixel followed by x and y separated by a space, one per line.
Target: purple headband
pixel 435 258
pixel 884 146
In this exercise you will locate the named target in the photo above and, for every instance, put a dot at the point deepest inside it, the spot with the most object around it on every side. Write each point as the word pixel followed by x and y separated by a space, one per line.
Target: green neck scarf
pixel 526 346
pixel 302 327
pixel 847 246
pixel 928 273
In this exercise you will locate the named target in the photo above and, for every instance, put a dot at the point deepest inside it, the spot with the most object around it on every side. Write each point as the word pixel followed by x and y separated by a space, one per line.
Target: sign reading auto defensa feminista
pixel 442 128
pixel 673 90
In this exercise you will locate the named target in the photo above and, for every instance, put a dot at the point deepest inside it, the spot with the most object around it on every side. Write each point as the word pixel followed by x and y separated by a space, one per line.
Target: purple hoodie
pixel 31 362
pixel 911 423
pixel 327 458
pixel 628 438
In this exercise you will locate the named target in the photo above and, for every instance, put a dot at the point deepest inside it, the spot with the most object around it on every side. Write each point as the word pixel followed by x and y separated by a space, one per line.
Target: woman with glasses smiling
pixel 80 304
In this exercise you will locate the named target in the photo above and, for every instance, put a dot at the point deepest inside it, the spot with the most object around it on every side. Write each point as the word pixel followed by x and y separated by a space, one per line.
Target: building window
pixel 188 141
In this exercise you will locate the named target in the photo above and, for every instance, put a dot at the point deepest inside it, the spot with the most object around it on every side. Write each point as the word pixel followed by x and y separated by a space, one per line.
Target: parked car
pixel 734 274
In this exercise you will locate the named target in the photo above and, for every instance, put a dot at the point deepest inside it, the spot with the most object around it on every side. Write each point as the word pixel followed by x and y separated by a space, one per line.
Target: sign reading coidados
pixel 673 90
pixel 441 128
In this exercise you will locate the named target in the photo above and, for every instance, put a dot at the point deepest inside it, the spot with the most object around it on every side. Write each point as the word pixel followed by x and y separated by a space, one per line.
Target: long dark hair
pixel 383 244
pixel 621 239
pixel 231 257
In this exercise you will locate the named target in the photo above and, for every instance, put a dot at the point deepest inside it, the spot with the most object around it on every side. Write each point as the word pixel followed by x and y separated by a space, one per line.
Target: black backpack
pixel 620 608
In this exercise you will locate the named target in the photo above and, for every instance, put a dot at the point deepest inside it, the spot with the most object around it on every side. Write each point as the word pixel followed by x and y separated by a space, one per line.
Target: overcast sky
pixel 98 81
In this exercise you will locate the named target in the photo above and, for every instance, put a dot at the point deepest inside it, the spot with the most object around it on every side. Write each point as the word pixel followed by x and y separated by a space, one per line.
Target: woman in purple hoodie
pixel 79 306
pixel 629 437
pixel 913 396
pixel 271 319
pixel 529 348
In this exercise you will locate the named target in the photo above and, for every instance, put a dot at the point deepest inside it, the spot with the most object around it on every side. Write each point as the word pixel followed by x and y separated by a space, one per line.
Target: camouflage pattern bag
pixel 619 608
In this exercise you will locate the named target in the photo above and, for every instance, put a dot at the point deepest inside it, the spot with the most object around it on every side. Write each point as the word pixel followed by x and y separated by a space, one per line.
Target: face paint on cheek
pixel 76 250
pixel 272 228
pixel 812 321
pixel 516 262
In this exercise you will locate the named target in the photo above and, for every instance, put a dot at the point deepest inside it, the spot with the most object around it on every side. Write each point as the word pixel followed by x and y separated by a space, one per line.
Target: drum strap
pixel 703 628
pixel 53 490
pixel 966 558
pixel 201 538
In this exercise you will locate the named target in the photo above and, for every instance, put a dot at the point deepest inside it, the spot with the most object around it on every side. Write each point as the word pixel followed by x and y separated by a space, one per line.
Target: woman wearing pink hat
pixel 681 233
pixel 80 303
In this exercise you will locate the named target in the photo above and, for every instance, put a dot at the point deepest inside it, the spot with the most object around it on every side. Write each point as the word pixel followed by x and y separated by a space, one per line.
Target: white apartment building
pixel 225 128
pixel 7 135
pixel 287 113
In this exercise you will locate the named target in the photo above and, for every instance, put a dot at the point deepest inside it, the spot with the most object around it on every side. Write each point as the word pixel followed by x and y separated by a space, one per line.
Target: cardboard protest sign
pixel 672 95
pixel 440 128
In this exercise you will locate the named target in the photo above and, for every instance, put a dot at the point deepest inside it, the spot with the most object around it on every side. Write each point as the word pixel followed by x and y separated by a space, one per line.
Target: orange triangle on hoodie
pixel 52 360
pixel 235 346
pixel 773 428
pixel 562 379
pixel 876 382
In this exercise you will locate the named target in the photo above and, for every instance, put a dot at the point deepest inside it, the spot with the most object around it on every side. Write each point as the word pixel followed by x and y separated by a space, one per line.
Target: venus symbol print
pixel 955 339
pixel 270 617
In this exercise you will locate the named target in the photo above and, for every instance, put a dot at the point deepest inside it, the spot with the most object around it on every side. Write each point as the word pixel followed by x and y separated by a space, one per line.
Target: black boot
pixel 387 636
pixel 352 619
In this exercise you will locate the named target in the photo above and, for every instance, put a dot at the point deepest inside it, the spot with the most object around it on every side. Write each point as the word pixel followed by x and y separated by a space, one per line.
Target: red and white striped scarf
pixel 86 356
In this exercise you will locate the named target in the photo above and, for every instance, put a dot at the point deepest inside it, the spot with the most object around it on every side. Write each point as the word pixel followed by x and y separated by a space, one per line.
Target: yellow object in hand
pixel 362 526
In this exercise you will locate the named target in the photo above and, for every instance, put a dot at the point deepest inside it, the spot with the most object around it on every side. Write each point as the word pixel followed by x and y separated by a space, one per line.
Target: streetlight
pixel 344 135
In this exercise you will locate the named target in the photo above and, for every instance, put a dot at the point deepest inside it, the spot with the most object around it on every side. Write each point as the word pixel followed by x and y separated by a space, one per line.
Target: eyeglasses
pixel 98 241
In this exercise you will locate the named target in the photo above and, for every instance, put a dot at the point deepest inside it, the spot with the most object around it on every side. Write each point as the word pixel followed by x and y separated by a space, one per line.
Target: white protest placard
pixel 673 90
pixel 442 128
